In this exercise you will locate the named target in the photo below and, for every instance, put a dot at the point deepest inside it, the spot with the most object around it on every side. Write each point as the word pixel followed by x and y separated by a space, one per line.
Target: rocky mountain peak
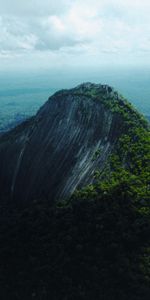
pixel 60 149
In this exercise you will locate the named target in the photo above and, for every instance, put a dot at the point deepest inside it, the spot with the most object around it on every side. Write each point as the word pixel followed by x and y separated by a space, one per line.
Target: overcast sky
pixel 73 33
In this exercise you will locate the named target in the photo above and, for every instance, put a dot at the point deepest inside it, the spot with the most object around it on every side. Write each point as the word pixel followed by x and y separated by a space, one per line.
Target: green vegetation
pixel 123 193
pixel 95 245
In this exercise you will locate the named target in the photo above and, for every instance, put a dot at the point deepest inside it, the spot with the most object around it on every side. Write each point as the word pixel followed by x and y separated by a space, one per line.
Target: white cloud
pixel 61 30
pixel 33 7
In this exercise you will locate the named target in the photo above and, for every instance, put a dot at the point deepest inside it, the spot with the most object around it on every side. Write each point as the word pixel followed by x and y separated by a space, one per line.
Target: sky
pixel 47 34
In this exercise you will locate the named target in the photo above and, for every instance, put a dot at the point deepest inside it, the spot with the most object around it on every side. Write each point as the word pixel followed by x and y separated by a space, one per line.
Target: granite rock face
pixel 60 148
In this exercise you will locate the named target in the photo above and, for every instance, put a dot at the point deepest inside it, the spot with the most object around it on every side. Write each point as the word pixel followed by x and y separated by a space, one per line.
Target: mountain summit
pixel 65 144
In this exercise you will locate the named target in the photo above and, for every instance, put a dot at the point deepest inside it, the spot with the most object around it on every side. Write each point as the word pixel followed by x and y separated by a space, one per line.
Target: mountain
pixel 60 148
pixel 74 209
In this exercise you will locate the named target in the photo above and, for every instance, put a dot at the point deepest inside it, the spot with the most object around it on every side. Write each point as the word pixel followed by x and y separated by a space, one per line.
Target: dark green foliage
pixel 94 246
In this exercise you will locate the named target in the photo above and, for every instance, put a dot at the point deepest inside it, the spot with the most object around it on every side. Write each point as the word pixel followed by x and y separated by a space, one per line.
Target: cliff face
pixel 60 149
pixel 96 245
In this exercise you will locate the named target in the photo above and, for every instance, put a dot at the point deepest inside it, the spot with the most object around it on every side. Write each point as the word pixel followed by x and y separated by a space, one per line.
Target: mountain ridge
pixel 89 242
pixel 53 153
pixel 82 119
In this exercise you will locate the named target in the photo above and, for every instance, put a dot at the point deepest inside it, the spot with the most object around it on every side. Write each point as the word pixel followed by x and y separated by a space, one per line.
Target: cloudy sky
pixel 52 33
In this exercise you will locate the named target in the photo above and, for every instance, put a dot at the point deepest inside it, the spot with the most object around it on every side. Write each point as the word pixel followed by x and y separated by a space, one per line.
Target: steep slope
pixel 96 243
pixel 61 147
